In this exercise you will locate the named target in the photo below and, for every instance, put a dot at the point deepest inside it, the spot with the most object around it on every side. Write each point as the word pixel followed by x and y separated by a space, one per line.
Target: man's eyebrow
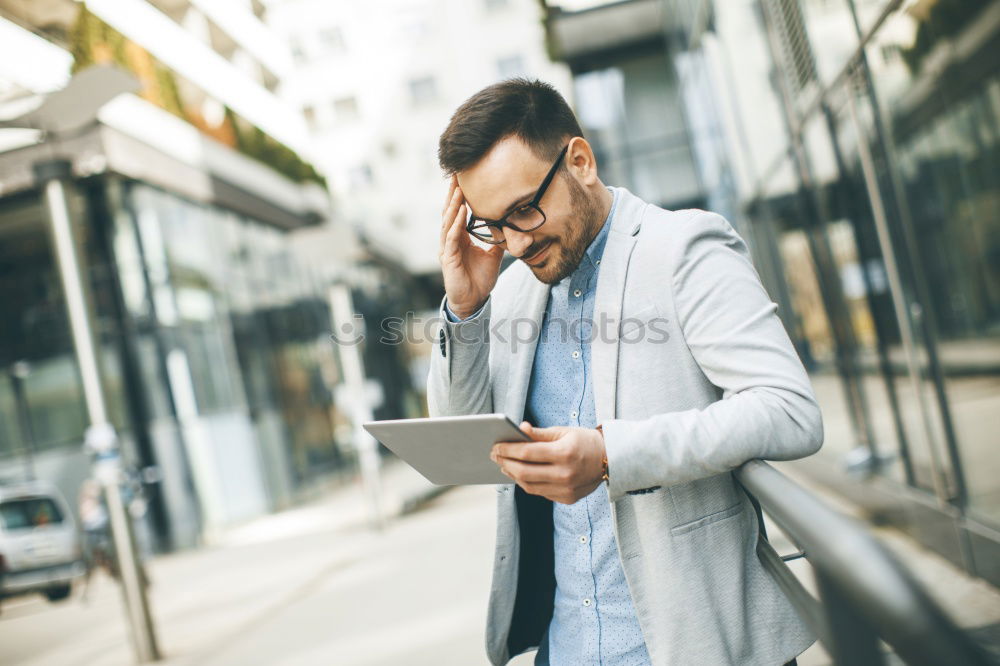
pixel 523 199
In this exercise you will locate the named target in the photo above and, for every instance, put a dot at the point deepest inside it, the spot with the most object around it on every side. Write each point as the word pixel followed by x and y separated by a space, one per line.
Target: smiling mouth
pixel 539 256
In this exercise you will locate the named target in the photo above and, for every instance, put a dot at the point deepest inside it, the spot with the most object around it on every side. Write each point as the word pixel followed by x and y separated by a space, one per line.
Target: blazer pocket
pixel 684 528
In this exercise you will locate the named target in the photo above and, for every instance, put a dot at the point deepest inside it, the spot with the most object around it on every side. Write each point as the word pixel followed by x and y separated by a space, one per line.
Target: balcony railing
pixel 865 593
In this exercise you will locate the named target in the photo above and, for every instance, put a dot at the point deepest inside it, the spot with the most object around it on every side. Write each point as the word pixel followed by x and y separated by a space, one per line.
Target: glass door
pixel 911 363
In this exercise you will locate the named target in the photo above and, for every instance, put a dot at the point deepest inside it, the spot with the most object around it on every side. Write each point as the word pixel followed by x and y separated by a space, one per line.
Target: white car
pixel 39 543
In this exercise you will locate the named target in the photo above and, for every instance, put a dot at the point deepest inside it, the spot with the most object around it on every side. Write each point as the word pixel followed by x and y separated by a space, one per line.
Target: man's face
pixel 508 176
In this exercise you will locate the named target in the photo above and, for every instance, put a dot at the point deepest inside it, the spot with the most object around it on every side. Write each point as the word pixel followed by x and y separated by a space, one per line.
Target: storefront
pixel 214 339
pixel 883 203
pixel 856 144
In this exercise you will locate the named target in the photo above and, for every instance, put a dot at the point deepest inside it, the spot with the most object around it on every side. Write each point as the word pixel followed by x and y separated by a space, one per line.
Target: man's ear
pixel 581 162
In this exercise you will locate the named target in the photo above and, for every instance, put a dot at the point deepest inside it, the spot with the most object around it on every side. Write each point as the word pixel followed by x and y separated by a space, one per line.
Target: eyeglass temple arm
pixel 548 178
pixel 534 202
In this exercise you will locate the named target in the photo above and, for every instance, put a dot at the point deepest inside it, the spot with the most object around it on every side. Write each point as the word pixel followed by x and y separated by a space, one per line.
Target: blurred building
pixel 856 145
pixel 629 102
pixel 377 83
pixel 213 333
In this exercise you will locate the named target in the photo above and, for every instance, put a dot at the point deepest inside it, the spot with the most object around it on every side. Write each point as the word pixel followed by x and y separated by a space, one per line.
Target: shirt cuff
pixel 453 318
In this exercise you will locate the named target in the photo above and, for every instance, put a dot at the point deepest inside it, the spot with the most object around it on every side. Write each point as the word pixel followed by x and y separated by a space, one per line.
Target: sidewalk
pixel 204 600
pixel 316 585
pixel 403 491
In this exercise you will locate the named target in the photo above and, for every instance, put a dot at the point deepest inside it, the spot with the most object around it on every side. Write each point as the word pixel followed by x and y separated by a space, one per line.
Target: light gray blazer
pixel 699 377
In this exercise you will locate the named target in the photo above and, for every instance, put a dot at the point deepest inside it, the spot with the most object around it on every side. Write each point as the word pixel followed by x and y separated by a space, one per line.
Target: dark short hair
pixel 531 110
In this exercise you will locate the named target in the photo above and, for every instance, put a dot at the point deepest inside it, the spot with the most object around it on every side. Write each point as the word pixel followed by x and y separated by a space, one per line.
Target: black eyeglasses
pixel 526 217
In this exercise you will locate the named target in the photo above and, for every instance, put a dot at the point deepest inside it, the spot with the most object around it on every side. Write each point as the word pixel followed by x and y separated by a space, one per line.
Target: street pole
pixel 352 366
pixel 100 438
pixel 19 372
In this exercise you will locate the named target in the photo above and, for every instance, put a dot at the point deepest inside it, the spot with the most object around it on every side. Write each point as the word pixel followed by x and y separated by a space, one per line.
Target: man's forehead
pixel 507 173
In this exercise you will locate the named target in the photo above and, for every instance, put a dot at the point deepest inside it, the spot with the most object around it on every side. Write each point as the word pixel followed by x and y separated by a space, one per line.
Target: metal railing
pixel 865 593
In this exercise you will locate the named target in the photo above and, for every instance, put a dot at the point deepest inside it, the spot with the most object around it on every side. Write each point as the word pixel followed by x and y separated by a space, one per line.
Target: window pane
pixel 941 105
pixel 632 115
pixel 510 66
pixel 332 39
pixel 345 109
pixel 36 332
pixel 35 512
pixel 423 91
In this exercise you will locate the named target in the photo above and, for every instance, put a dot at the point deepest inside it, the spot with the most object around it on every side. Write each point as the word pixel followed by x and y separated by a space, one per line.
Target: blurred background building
pixel 274 149
pixel 279 146
pixel 856 145
pixel 377 83
pixel 213 336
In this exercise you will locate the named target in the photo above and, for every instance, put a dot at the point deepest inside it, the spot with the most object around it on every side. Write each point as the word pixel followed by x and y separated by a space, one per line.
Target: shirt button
pixel 573 415
pixel 598 262
pixel 577 292
pixel 576 353
pixel 586 602
pixel 583 538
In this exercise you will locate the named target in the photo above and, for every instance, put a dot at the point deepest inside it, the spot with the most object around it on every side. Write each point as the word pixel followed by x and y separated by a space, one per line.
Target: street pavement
pixel 317 585
pixel 314 585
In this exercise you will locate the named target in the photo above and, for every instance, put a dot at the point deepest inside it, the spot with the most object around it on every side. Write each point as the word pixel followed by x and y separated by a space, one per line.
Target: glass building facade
pixel 215 348
pixel 856 145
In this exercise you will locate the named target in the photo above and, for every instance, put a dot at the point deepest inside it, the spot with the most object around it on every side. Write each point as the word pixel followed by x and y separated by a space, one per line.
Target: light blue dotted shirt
pixel 593 620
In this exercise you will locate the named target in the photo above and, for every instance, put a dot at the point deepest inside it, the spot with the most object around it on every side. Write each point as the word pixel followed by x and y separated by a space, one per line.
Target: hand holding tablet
pixel 450 450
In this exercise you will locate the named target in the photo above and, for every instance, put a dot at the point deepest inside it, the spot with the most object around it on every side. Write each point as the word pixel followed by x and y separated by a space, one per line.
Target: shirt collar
pixel 596 248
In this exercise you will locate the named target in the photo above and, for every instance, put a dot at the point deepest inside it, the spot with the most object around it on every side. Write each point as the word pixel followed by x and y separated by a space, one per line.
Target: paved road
pixel 298 591
pixel 414 595
pixel 315 586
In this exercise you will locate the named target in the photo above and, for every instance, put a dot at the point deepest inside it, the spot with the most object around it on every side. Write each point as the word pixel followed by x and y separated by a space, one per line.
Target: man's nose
pixel 517 241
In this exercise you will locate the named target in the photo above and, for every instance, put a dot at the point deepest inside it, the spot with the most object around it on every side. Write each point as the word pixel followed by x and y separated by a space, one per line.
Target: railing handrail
pixel 865 592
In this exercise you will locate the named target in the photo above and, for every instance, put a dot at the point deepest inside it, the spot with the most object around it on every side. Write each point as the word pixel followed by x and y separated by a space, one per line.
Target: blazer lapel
pixel 527 316
pixel 526 324
pixel 608 305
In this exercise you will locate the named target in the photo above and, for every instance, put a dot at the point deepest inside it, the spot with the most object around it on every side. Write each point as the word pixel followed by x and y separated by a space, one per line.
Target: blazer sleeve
pixel 458 382
pixel 767 409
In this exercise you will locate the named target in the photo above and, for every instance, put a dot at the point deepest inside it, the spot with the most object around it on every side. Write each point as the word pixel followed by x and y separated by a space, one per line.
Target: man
pixel 647 363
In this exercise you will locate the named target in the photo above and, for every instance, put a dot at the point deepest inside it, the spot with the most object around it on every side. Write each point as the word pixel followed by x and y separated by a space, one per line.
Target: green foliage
pixel 92 41
pixel 170 94
pixel 255 143
pixel 89 33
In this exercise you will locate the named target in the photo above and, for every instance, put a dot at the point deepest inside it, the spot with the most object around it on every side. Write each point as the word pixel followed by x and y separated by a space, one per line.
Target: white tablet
pixel 450 450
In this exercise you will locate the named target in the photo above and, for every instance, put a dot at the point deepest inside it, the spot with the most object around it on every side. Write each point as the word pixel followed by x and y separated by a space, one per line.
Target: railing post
pixel 866 596
pixel 853 639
